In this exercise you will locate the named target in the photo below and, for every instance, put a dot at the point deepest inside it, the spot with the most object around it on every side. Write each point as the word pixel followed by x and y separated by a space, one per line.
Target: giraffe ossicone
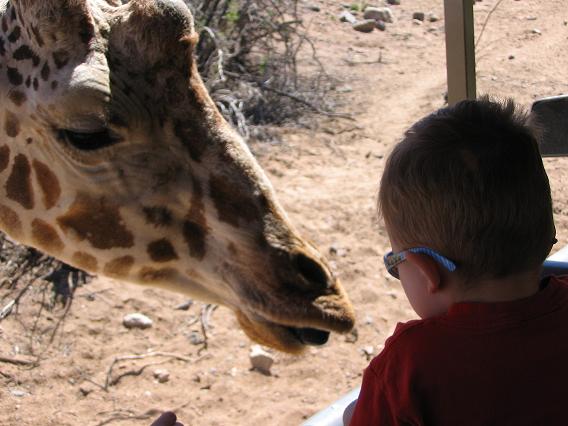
pixel 114 159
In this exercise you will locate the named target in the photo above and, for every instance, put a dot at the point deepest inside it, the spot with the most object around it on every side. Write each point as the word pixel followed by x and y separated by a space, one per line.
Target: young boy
pixel 467 206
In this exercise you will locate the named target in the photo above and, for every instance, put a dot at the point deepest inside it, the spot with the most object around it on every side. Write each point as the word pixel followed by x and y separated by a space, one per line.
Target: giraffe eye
pixel 89 141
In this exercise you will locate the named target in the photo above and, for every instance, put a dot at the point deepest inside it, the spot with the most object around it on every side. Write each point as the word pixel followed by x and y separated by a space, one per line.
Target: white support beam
pixel 460 50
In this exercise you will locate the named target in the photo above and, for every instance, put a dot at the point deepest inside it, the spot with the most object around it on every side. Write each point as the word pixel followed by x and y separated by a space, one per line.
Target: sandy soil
pixel 327 180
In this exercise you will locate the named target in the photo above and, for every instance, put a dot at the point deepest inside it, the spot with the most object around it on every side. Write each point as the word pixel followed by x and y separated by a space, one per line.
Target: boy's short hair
pixel 468 181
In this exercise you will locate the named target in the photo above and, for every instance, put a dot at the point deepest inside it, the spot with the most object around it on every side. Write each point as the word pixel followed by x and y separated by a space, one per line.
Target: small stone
pixel 366 26
pixel 86 388
pixel 378 14
pixel 531 18
pixel 433 17
pixel 161 375
pixel 368 351
pixel 184 306
pixel 417 22
pixel 18 393
pixel 536 31
pixel 137 320
pixel 419 16
pixel 196 338
pixel 511 57
pixel 352 336
pixel 346 16
pixel 394 2
pixel 380 25
pixel 260 359
pixel 313 8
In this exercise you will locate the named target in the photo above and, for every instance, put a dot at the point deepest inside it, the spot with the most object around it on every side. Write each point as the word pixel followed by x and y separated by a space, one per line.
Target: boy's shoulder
pixel 420 341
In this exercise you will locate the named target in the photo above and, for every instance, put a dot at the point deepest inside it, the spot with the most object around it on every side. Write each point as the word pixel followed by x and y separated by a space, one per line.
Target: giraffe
pixel 114 159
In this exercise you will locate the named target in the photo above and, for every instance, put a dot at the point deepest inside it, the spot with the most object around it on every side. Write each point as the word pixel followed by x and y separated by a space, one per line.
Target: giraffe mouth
pixel 310 336
pixel 285 338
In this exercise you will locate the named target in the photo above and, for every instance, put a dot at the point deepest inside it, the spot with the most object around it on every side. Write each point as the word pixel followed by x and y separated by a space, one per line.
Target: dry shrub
pixel 257 61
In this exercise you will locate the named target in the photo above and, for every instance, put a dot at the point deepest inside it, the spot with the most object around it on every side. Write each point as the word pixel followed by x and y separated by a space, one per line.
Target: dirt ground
pixel 326 178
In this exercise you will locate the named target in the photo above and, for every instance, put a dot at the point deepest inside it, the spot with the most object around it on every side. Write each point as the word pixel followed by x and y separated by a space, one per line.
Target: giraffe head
pixel 114 159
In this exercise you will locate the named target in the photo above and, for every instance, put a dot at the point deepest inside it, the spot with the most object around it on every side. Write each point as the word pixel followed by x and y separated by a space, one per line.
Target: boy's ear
pixel 428 267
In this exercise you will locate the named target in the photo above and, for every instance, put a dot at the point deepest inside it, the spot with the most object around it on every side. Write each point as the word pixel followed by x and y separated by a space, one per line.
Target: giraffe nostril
pixel 311 270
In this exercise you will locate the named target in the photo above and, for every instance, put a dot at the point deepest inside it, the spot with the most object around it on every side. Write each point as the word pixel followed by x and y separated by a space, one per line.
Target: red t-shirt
pixel 480 364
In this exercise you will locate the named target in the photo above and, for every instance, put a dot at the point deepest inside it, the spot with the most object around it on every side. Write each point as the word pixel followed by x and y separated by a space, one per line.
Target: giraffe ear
pixel 64 26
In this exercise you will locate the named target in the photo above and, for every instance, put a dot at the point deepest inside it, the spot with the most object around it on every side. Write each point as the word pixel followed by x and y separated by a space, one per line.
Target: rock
pixel 417 22
pixel 511 57
pixel 196 338
pixel 536 31
pixel 184 306
pixel 161 375
pixel 378 14
pixel 432 17
pixel 87 388
pixel 137 320
pixel 366 26
pixel 346 16
pixel 352 336
pixel 18 393
pixel 368 351
pixel 419 16
pixel 313 7
pixel 394 2
pixel 260 359
pixel 380 25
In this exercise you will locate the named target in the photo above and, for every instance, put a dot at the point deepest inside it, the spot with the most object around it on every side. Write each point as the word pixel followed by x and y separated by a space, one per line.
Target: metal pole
pixel 460 50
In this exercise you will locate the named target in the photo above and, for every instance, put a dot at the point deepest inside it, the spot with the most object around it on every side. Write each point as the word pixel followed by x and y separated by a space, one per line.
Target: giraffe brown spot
pixel 15 35
pixel 162 251
pixel 12 14
pixel 45 71
pixel 158 216
pixel 23 53
pixel 54 85
pixel 36 84
pixel 14 76
pixel 2 46
pixel 231 203
pixel 60 58
pixel 4 157
pixel 152 275
pixel 48 183
pixel 45 237
pixel 4 24
pixel 86 29
pixel 17 97
pixel 28 81
pixel 29 140
pixel 19 186
pixel 85 261
pixel 97 221
pixel 119 267
pixel 11 124
pixel 10 222
pixel 194 235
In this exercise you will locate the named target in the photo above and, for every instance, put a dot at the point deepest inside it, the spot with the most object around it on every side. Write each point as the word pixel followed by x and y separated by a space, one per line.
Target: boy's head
pixel 468 181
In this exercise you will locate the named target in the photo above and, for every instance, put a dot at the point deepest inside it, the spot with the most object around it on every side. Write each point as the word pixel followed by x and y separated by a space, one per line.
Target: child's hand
pixel 166 419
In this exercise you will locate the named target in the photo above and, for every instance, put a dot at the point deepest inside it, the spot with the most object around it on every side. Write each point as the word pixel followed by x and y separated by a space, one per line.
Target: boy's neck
pixel 506 289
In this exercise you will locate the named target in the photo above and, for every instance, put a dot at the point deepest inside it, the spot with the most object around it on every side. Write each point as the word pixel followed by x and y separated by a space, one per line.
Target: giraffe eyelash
pixel 89 141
